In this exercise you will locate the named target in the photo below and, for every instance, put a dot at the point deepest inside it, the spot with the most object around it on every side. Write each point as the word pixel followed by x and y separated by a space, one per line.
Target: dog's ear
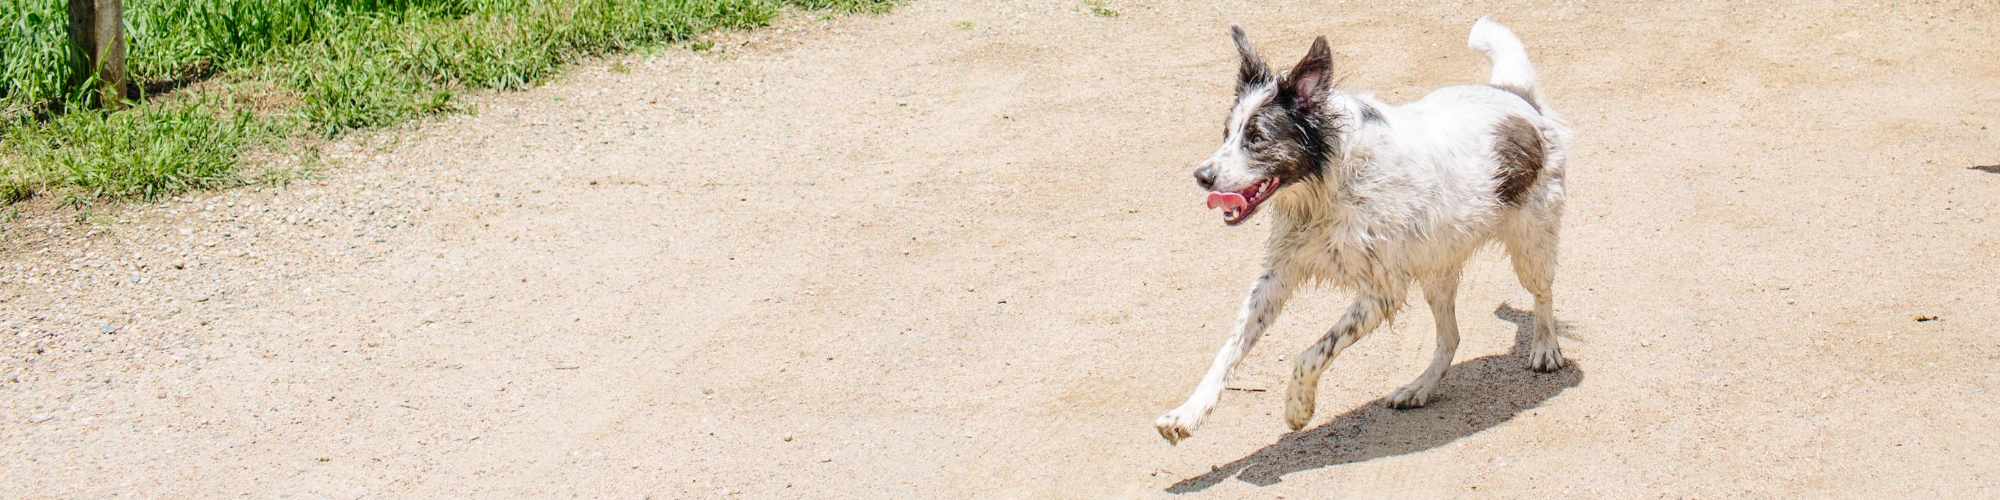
pixel 1307 80
pixel 1254 70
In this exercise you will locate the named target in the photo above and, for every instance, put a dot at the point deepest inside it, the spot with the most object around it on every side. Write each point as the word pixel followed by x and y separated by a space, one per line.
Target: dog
pixel 1372 197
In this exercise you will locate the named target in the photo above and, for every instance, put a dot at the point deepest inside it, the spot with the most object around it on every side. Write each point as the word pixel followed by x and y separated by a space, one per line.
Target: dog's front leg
pixel 1260 309
pixel 1367 312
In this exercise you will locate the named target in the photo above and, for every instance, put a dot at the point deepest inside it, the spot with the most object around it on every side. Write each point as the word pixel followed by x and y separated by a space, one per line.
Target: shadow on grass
pixel 1476 395
pixel 189 74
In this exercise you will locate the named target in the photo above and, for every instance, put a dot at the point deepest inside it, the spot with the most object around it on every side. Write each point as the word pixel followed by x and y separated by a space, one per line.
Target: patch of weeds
pixel 15 191
pixel 343 90
pixel 647 53
pixel 311 157
pixel 620 67
pixel 81 204
pixel 869 6
pixel 965 25
pixel 277 177
pixel 306 168
pixel 701 45
pixel 145 152
pixel 1098 9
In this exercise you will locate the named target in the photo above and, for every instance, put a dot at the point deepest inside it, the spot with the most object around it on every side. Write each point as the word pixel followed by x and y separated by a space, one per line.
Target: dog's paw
pixel 1546 359
pixel 1299 408
pixel 1415 395
pixel 1176 425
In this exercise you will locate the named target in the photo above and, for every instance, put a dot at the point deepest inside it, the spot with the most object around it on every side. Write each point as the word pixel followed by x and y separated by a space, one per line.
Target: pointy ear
pixel 1307 81
pixel 1254 70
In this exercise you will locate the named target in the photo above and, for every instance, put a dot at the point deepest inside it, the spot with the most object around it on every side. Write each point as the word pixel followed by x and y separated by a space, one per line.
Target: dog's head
pixel 1277 133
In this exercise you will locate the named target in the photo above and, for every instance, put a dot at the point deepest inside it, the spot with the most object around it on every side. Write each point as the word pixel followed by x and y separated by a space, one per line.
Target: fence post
pixel 97 48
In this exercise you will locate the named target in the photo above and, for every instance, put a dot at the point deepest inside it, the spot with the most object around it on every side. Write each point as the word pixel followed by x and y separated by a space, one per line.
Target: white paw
pixel 1546 358
pixel 1177 425
pixel 1299 407
pixel 1415 395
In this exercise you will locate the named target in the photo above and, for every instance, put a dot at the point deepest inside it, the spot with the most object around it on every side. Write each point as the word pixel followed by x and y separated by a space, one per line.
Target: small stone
pixel 708 392
pixel 788 438
pixel 1645 342
pixel 108 329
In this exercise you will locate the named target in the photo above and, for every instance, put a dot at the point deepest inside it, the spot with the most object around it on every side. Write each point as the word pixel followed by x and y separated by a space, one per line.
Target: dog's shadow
pixel 1475 395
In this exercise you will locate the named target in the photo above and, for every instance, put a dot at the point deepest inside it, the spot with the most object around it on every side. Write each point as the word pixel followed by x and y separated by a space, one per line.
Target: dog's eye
pixel 1251 136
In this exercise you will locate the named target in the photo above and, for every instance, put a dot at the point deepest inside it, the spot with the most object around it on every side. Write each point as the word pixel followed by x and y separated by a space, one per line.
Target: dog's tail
pixel 1511 70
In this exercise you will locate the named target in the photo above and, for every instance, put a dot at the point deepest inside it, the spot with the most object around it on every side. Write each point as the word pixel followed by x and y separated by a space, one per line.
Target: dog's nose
pixel 1205 176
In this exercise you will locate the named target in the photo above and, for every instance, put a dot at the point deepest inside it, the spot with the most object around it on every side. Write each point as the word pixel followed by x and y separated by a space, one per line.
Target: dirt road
pixel 955 252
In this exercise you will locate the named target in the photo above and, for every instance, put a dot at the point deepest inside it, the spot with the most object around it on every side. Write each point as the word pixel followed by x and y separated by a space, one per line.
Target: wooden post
pixel 97 48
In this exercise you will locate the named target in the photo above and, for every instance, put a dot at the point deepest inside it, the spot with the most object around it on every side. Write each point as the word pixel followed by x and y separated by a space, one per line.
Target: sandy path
pixel 903 257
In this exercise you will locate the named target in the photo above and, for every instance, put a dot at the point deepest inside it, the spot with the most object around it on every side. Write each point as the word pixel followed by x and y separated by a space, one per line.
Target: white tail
pixel 1510 60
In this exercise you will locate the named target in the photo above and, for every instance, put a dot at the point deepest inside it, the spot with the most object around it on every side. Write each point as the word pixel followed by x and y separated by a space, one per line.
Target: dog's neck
pixel 1340 124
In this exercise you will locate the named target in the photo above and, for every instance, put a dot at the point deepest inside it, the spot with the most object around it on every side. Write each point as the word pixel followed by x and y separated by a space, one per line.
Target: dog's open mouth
pixel 1238 206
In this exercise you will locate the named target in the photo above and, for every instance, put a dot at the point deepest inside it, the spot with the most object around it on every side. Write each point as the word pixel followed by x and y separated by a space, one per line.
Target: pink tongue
pixel 1232 201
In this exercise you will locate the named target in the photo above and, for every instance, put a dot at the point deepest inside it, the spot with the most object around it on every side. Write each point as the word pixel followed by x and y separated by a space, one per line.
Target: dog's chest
pixel 1339 251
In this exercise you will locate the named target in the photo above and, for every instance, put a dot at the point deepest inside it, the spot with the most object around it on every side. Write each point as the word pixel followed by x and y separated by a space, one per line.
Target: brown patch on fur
pixel 1518 144
pixel 1524 94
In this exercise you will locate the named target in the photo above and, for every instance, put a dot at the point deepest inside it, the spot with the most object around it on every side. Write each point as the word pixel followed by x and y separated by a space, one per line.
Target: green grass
pixel 277 68
pixel 148 151
pixel 1098 9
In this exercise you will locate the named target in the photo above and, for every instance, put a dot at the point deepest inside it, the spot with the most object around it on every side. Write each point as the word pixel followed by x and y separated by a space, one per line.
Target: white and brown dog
pixel 1374 197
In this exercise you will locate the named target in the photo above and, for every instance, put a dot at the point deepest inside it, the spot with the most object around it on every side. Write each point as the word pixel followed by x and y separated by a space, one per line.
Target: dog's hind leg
pixel 1267 298
pixel 1368 311
pixel 1531 243
pixel 1441 292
